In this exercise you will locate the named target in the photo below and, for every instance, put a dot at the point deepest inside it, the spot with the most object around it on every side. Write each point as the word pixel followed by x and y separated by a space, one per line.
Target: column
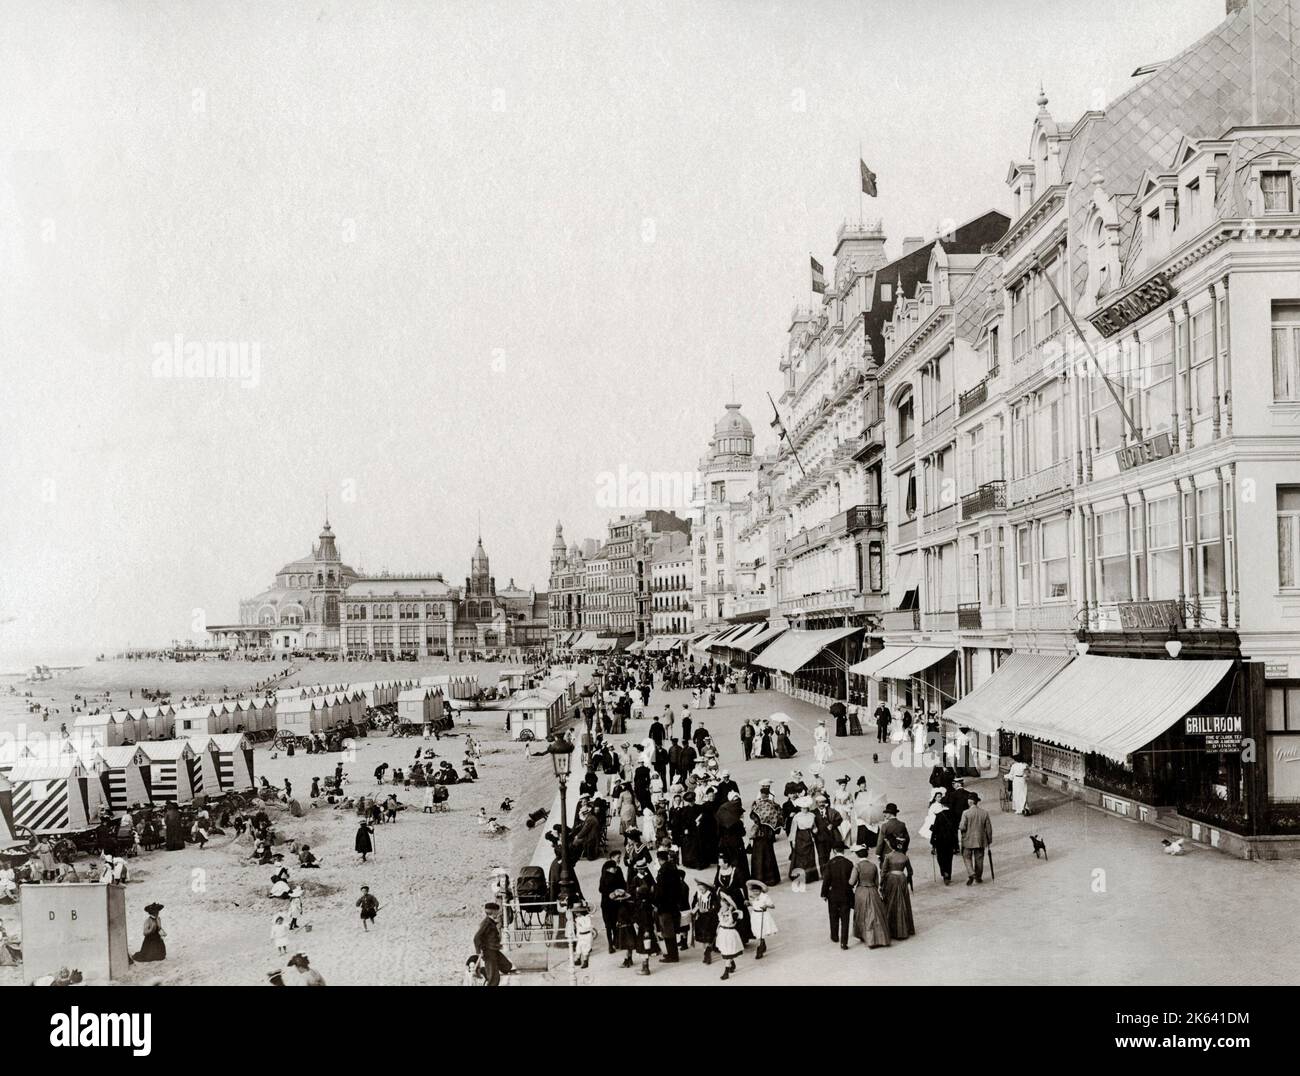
pixel 1216 421
pixel 1187 383
pixel 1136 367
pixel 1223 533
pixel 1092 557
pixel 1196 550
pixel 1173 381
pixel 1182 534
pixel 1236 534
pixel 1144 576
pixel 1227 394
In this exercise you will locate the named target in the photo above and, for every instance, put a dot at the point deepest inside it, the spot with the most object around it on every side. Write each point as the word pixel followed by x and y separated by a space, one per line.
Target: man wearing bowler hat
pixel 976 835
pixel 487 945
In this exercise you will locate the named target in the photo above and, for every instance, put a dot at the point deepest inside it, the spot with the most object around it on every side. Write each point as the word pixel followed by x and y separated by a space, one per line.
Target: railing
pixel 900 620
pixel 719 588
pixel 969 400
pixel 968 616
pixel 939 422
pixel 944 517
pixel 944 620
pixel 1062 617
pixel 907 530
pixel 859 517
pixel 1048 480
pixel 988 498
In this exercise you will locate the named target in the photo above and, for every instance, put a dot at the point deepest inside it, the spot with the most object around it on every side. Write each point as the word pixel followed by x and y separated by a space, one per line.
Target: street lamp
pixel 1173 645
pixel 561 752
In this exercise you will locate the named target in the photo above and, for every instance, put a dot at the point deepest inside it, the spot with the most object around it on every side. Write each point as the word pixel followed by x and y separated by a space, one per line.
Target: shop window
pixel 1282 713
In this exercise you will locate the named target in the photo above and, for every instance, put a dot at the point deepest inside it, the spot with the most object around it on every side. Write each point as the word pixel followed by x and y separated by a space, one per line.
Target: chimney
pixel 911 243
pixel 1233 6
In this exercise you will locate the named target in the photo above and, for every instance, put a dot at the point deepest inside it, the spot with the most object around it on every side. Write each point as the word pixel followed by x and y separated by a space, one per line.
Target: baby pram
pixel 532 895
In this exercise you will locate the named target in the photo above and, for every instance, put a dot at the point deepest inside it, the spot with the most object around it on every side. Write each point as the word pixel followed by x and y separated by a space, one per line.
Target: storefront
pixel 813 665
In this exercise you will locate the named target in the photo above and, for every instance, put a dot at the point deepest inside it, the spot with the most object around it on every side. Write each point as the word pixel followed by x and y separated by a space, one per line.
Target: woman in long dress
pixel 765 741
pixel 897 871
pixel 767 819
pixel 803 849
pixel 626 812
pixel 868 909
pixel 784 745
pixel 152 947
pixel 761 919
pixel 821 744
pixel 704 918
pixel 1018 775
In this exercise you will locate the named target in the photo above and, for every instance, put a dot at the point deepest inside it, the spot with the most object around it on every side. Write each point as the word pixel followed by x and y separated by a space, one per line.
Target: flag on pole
pixel 868 179
pixel 818 276
pixel 777 424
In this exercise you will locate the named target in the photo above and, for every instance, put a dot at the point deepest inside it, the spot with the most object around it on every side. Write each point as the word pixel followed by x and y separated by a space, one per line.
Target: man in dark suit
pixel 891 829
pixel 976 835
pixel 657 732
pixel 957 800
pixel 487 945
pixel 883 717
pixel 838 895
pixel 747 738
pixel 668 888
pixel 826 833
pixel 675 760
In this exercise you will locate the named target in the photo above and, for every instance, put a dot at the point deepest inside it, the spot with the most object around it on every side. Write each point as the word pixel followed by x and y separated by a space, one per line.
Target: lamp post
pixel 561 752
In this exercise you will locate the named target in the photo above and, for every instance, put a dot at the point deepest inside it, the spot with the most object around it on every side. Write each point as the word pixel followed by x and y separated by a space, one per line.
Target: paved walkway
pixel 1107 906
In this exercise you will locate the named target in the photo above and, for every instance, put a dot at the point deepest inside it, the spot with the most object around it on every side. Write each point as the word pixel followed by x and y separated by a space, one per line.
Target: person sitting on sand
pixel 307 858
pixel 280 885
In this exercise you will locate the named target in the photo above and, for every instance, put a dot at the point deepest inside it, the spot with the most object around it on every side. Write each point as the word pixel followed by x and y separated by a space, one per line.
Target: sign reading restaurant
pixel 1149 616
pixel 1129 308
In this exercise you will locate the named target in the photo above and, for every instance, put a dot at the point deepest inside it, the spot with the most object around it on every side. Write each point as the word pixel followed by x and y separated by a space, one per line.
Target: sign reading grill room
pixel 1222 732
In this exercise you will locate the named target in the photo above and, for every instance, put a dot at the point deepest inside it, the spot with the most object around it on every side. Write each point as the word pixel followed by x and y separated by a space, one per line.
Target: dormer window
pixel 1192 193
pixel 1153 228
pixel 1275 187
pixel 886 293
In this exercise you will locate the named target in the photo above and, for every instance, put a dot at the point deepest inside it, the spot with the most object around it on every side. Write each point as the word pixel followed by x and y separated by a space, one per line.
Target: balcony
pixel 907 531
pixel 1059 617
pixel 988 498
pixel 945 620
pixel 974 398
pixel 872 439
pixel 968 616
pixel 712 589
pixel 859 517
pixel 937 521
pixel 940 422
pixel 900 620
pixel 1048 480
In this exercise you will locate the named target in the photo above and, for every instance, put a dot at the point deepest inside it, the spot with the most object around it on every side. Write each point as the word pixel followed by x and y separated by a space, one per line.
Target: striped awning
pixel 872 666
pixel 770 630
pixel 1016 681
pixel 636 647
pixel 1114 706
pixel 795 649
pixel 916 660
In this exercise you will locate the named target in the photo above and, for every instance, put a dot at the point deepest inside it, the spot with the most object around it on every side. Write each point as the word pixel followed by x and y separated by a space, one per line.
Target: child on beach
pixel 369 907
pixel 280 934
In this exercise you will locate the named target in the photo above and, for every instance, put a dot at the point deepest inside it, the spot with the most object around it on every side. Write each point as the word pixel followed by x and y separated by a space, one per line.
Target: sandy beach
pixel 430 872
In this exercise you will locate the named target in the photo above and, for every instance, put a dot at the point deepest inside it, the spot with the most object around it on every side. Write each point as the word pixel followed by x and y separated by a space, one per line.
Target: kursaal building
pixel 318 604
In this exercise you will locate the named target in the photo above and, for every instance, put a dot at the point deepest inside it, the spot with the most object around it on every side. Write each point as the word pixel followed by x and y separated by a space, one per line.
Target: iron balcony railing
pixel 988 498
pixel 968 615
pixel 969 400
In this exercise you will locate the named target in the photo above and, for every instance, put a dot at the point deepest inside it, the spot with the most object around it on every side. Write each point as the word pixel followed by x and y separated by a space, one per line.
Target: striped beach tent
pixel 168 773
pixel 122 773
pixel 227 762
pixel 7 837
pixel 53 797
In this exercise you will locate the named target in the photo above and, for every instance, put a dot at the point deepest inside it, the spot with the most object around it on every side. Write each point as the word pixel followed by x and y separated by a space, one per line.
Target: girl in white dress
pixel 761 920
pixel 821 744
pixel 728 943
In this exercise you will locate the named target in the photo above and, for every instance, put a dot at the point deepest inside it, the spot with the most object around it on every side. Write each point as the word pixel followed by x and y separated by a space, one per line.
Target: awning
pixel 636 647
pixel 1016 681
pixel 914 661
pixel 702 645
pixel 906 579
pixel 602 645
pixel 729 638
pixel 770 631
pixel 795 649
pixel 584 641
pixel 1114 706
pixel 873 665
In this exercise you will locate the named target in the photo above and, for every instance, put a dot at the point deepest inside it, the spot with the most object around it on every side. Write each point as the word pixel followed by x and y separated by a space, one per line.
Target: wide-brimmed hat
pixel 620 894
pixel 296 891
pixel 754 883
pixel 154 908
pixel 299 960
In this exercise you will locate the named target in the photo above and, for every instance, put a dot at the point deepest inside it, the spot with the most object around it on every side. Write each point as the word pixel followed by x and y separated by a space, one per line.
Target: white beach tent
pixel 103 726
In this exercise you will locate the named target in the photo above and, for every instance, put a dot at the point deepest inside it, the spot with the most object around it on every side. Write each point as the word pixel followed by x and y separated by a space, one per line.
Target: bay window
pixel 1056 559
pixel 1162 547
pixel 1112 555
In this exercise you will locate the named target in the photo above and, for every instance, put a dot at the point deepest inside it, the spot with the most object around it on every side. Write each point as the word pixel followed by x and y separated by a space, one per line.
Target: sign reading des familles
pixel 1132 306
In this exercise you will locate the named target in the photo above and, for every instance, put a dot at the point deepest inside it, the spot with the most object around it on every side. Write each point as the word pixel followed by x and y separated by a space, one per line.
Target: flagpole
pixel 860 221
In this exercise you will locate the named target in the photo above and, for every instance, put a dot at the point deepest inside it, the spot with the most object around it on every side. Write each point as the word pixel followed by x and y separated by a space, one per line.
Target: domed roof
pixel 733 423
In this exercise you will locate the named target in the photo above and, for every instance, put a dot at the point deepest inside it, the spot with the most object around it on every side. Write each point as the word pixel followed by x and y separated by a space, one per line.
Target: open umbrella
pixel 838 709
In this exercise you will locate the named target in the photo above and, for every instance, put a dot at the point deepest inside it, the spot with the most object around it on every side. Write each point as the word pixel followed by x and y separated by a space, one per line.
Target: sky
pixel 475 259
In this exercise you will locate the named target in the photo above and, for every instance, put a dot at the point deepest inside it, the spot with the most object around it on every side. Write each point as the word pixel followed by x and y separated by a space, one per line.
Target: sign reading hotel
pixel 1131 307
pixel 1222 732
pixel 1156 447
pixel 1149 616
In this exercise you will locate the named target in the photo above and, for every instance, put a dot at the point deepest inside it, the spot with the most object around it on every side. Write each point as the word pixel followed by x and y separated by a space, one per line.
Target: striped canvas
pixel 115 789
pixel 196 775
pixel 163 786
pixel 45 815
